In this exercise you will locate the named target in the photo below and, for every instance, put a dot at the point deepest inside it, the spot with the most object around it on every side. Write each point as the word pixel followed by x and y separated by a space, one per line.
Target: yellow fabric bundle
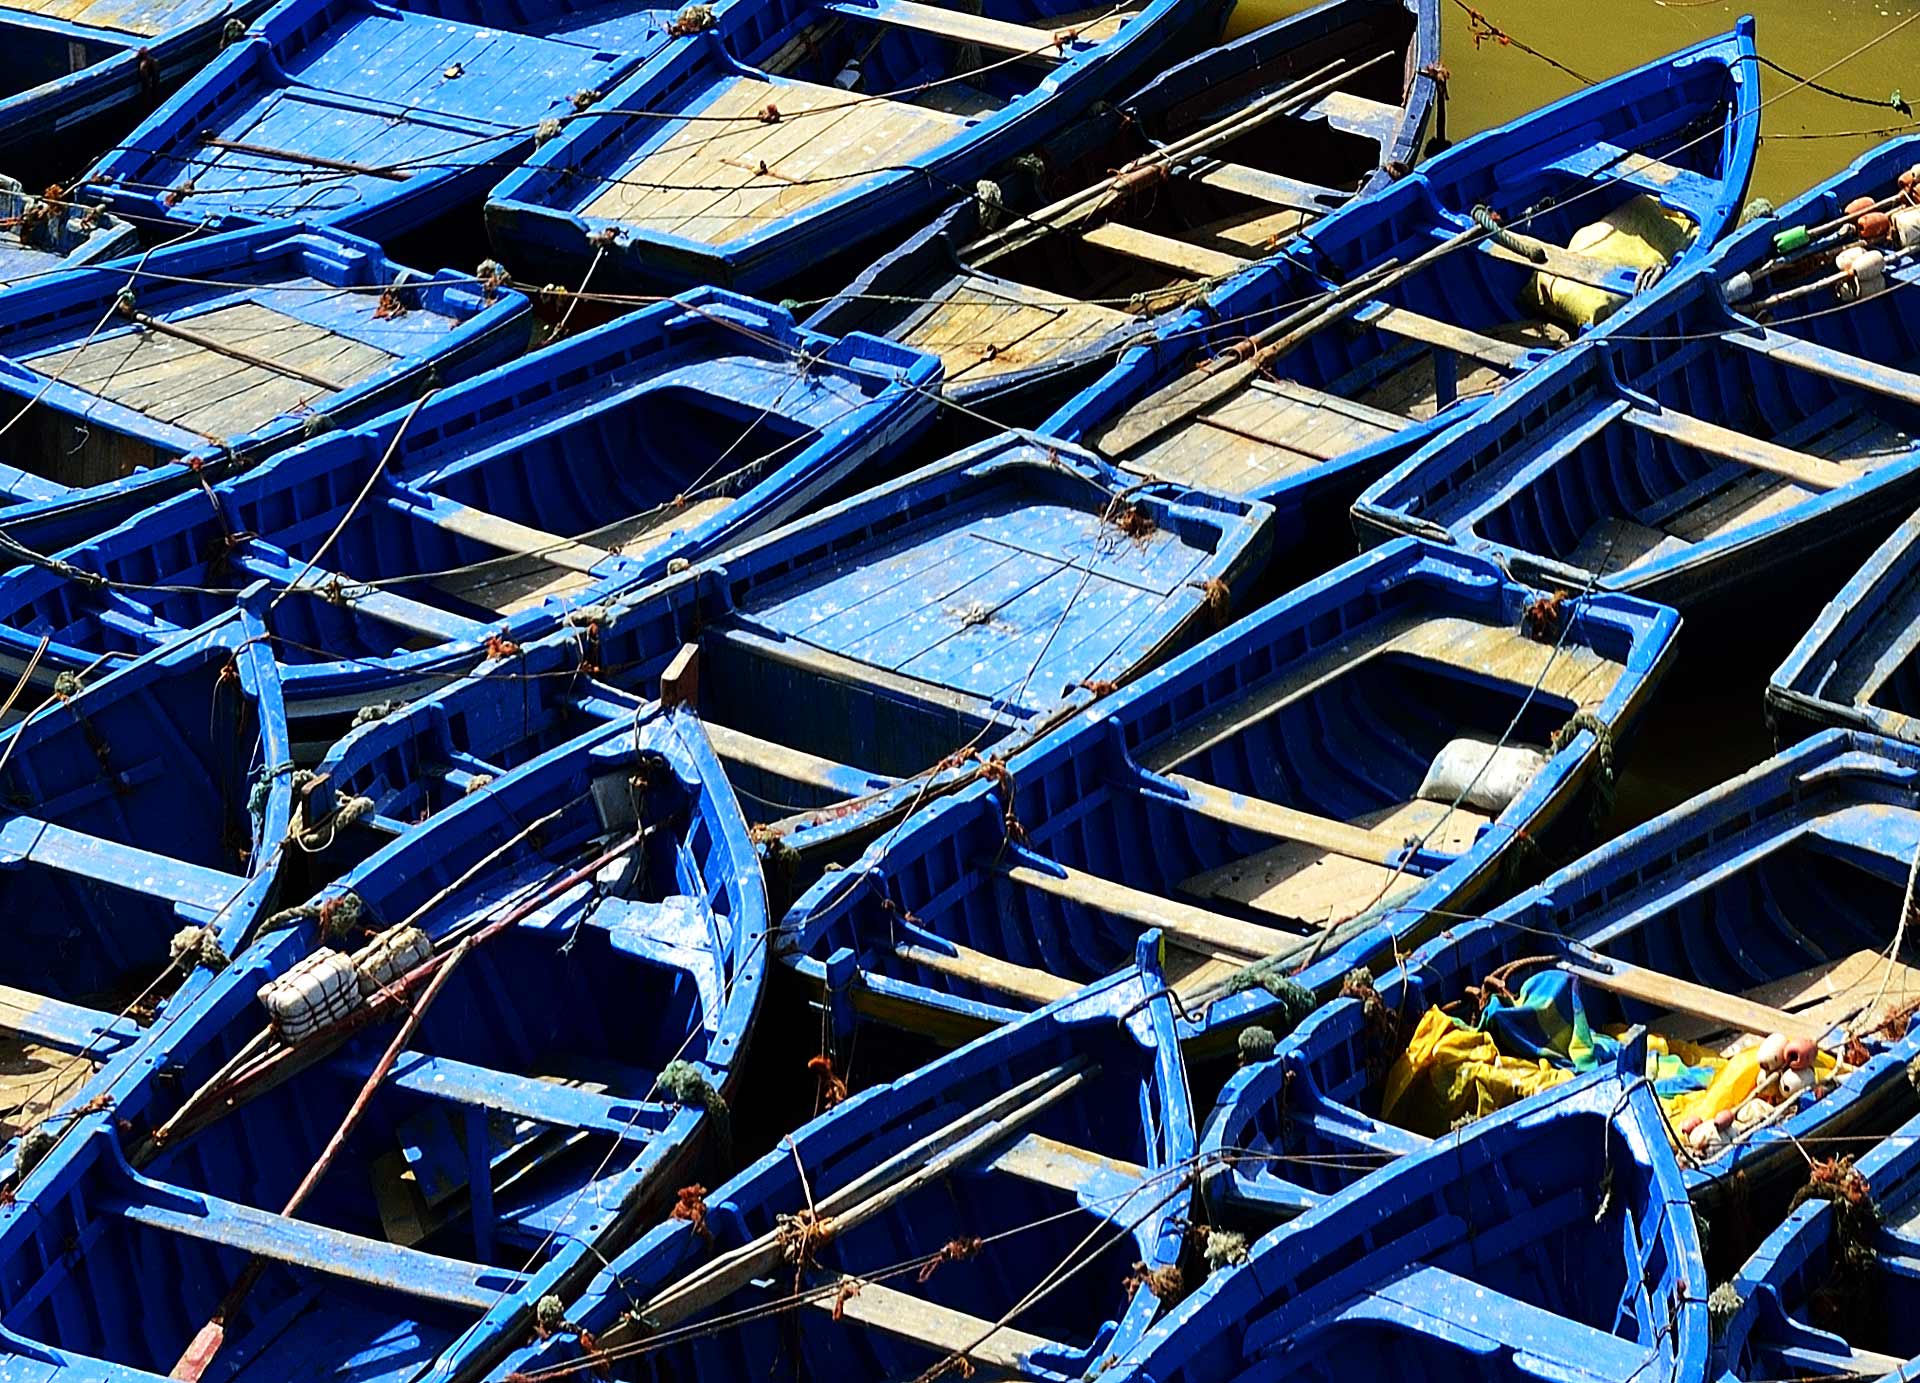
pixel 1638 234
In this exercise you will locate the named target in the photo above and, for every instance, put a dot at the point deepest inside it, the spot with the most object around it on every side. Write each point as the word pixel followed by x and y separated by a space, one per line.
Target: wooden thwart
pixel 1193 927
pixel 1163 250
pixel 1814 472
pixel 880 1307
pixel 1431 331
pixel 1288 823
pixel 1275 188
pixel 989 972
pixel 996 35
pixel 1903 386
pixel 1684 996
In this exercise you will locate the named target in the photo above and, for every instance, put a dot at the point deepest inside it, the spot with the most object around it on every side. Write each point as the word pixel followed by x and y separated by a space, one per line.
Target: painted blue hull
pixel 660 438
pixel 671 221
pixel 531 1118
pixel 296 121
pixel 1551 1243
pixel 1355 402
pixel 1795 865
pixel 1086 1162
pixel 124 412
pixel 1855 667
pixel 1802 1312
pixel 1597 473
pixel 76 82
pixel 846 663
pixel 48 238
pixel 1019 365
pixel 148 801
pixel 1183 799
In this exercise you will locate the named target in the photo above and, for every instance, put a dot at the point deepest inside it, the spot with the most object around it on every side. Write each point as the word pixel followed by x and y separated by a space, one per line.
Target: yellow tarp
pixel 1638 234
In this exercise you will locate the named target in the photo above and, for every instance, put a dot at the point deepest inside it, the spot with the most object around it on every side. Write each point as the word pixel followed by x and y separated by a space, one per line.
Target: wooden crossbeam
pixel 1193 927
pixel 1684 996
pixel 1431 331
pixel 996 35
pixel 1903 386
pixel 1802 468
pixel 880 1307
pixel 1163 250
pixel 1288 823
pixel 989 972
pixel 1275 188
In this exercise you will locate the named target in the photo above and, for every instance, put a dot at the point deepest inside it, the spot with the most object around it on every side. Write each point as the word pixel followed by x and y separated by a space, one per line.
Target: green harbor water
pixel 1492 83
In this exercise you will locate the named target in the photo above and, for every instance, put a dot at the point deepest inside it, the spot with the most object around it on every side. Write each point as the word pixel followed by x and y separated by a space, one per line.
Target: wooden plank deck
pixel 187 385
pixel 986 327
pixel 715 179
pixel 1261 434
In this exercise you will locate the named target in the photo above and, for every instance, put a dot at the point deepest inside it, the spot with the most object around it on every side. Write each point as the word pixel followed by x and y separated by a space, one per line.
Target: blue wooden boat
pixel 1150 202
pixel 1543 1243
pixel 1771 901
pixel 578 953
pixel 848 666
pixel 1281 798
pixel 1016 1206
pixel 1304 379
pixel 142 816
pixel 50 234
pixel 1856 667
pixel 121 383
pixel 1829 1293
pixel 1711 438
pixel 80 75
pixel 863 114
pixel 492 510
pixel 370 116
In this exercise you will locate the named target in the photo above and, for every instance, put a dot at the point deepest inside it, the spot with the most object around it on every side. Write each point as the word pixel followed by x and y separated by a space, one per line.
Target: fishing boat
pixel 1825 1295
pixel 80 75
pixel 784 134
pixel 50 234
pixel 1150 203
pixel 142 816
pixel 1767 908
pixel 123 382
pixel 1543 1243
pixel 1751 420
pixel 850 666
pixel 371 116
pixel 1856 667
pixel 424 1100
pixel 484 515
pixel 1321 785
pixel 1016 1206
pixel 1304 379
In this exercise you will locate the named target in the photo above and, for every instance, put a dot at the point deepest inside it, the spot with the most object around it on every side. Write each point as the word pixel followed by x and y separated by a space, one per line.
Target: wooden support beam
pixel 522 1097
pixel 1902 386
pixel 1815 473
pixel 1163 251
pixel 1049 1162
pixel 1275 188
pixel 1684 996
pixel 1288 823
pixel 516 538
pixel 989 972
pixel 996 35
pixel 793 765
pixel 25 841
pixel 62 1026
pixel 1566 264
pixel 329 1252
pixel 680 683
pixel 1196 928
pixel 880 1307
pixel 1431 331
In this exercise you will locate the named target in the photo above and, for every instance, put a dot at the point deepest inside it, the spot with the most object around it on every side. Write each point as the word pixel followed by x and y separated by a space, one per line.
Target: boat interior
pixel 1716 932
pixel 521 1119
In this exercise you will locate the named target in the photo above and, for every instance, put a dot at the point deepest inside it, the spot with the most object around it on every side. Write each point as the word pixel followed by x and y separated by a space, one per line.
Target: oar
pixel 954 1145
pixel 1055 215
pixel 1176 402
pixel 207 1341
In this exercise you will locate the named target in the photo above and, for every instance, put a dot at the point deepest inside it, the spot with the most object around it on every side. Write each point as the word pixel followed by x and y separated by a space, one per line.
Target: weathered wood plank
pixel 1194 927
pixel 880 1307
pixel 1163 251
pixel 989 972
pixel 1813 472
pixel 1288 823
pixel 1684 996
pixel 996 35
